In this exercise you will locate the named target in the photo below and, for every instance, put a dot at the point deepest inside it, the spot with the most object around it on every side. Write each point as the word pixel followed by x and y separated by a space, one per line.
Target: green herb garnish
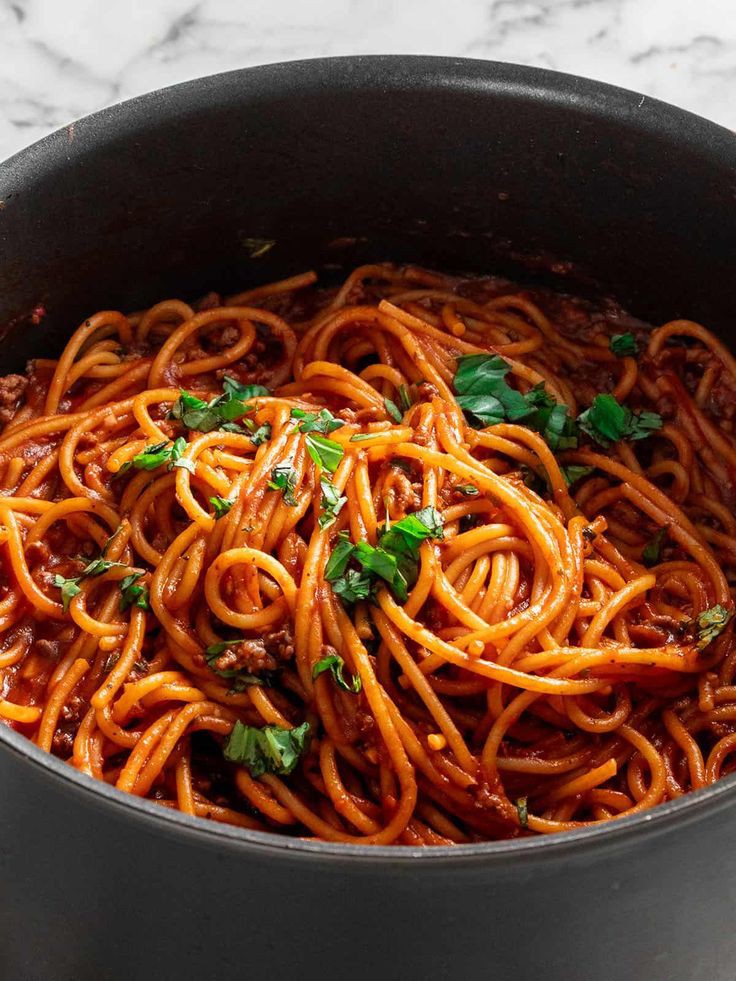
pixel 221 506
pixel 623 345
pixel 237 390
pixel 331 505
pixel 467 490
pixel 405 402
pixel 393 410
pixel 283 478
pixel 257 434
pixel 353 586
pixel 653 549
pixel 316 422
pixel 394 559
pixel 195 413
pixel 607 421
pixel 336 666
pixel 482 393
pixel 132 593
pixel 710 623
pixel 270 749
pixel 326 453
pixel 71 588
pixel 572 474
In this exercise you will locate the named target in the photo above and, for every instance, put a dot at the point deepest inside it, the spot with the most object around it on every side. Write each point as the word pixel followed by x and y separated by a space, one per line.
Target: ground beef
pixel 12 388
pixel 258 654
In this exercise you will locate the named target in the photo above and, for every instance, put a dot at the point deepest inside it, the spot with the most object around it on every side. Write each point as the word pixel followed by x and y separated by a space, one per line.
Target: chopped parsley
pixel 623 345
pixel 336 666
pixel 607 421
pixel 467 490
pixel 132 593
pixel 270 749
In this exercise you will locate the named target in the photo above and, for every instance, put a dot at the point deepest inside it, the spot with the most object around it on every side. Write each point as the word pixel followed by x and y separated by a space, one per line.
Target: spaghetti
pixel 419 560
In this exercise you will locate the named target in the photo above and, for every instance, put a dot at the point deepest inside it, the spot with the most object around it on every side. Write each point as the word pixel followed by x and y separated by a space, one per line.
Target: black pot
pixel 459 164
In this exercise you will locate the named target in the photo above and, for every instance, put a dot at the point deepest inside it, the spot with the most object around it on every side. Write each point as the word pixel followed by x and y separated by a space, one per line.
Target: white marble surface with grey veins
pixel 60 59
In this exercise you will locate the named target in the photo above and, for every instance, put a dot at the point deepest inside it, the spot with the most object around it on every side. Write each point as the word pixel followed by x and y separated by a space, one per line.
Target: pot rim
pixel 428 72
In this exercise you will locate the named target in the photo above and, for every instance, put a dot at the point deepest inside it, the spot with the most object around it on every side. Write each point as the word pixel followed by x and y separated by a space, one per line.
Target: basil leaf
pixel 607 421
pixel 336 666
pixel 353 586
pixel 407 534
pixel 270 749
pixel 623 345
pixel 331 505
pixel 326 453
pixel 316 422
pixel 154 456
pixel 69 589
pixel 483 393
pixel 338 561
pixel 133 594
pixel 221 506
pixel 97 567
pixel 710 623
pixel 652 550
pixel 243 392
pixel 283 478
pixel 257 435
pixel 195 413
pixel 572 474
pixel 393 410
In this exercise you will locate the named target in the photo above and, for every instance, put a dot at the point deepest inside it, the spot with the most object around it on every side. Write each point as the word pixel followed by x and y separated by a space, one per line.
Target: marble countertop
pixel 64 58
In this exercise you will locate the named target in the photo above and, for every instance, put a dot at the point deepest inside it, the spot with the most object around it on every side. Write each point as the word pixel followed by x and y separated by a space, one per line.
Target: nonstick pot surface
pixel 456 164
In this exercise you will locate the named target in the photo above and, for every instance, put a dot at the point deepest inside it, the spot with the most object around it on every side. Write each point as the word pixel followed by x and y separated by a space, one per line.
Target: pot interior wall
pixel 460 165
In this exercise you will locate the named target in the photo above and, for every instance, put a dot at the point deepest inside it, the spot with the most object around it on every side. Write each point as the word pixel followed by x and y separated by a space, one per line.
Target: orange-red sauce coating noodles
pixel 540 676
